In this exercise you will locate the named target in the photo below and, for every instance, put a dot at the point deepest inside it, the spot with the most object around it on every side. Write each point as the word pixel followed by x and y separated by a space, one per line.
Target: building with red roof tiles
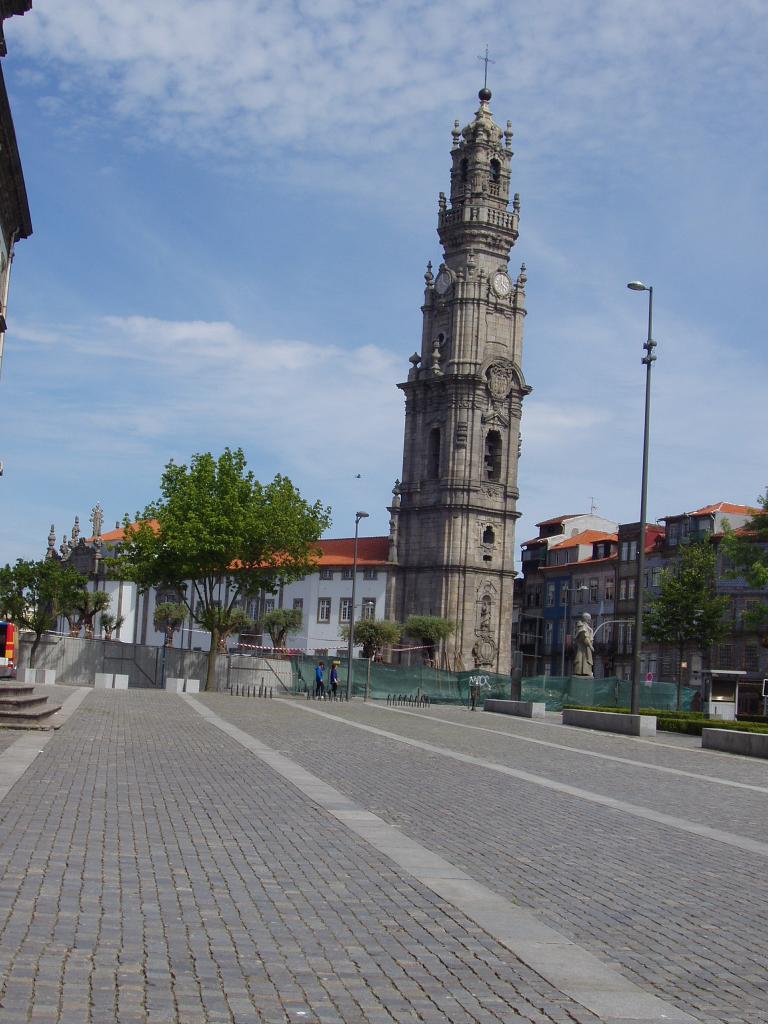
pixel 324 596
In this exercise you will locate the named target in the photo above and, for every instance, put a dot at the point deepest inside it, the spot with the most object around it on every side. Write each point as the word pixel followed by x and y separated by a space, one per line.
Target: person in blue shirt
pixel 320 680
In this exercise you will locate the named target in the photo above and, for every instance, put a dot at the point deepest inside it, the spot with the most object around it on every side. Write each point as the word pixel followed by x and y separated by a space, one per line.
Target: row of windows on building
pixel 324 608
pixel 553 635
pixel 587 591
pixel 346 574
pixel 583 591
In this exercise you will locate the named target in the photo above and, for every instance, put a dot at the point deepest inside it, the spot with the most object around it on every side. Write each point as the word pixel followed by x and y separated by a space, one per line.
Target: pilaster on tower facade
pixel 453 515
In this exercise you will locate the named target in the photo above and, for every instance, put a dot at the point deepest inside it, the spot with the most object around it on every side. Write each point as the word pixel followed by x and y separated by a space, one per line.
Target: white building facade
pixel 324 597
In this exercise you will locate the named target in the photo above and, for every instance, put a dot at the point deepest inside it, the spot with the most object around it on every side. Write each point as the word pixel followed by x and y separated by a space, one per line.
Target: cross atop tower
pixel 486 60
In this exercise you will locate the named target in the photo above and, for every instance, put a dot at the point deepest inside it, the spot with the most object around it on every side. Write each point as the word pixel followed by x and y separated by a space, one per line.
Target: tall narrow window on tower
pixel 493 455
pixel 433 454
pixel 495 172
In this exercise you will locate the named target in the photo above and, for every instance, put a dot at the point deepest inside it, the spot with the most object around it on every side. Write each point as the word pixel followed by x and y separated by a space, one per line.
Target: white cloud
pixel 342 78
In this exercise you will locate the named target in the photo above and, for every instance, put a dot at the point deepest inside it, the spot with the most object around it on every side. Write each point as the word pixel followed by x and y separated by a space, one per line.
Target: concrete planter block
pixel 121 682
pixel 611 721
pixel 731 741
pixel 521 708
pixel 30 675
pixel 49 675
pixel 192 685
pixel 104 680
pixel 174 684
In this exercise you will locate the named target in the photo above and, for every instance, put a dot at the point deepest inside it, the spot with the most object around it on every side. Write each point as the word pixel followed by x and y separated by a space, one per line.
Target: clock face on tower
pixel 443 282
pixel 501 284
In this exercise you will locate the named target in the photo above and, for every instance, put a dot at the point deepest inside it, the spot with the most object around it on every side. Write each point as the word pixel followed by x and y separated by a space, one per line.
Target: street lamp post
pixel 358 517
pixel 648 360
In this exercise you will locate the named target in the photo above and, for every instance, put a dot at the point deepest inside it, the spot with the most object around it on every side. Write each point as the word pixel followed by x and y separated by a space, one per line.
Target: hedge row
pixel 690 722
pixel 693 726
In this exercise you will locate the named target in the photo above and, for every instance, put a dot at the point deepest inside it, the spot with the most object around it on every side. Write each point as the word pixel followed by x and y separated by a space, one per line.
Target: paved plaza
pixel 221 859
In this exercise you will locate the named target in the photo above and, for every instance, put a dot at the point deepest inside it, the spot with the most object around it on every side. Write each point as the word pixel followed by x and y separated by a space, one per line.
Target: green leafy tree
pixel 34 594
pixel 429 630
pixel 747 551
pixel 217 527
pixel 280 622
pixel 374 635
pixel 688 613
pixel 168 618
pixel 109 623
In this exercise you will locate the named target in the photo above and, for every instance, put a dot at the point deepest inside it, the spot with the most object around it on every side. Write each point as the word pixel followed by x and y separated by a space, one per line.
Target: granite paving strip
pixel 153 871
pixel 714 779
pixel 19 755
pixel 671 821
pixel 683 917
pixel 574 971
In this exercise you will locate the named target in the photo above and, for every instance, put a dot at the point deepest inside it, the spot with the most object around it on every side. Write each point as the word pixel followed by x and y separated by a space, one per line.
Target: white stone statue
pixel 584 659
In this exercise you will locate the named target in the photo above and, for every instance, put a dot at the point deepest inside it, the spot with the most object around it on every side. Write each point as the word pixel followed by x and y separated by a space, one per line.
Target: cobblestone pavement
pixel 153 870
pixel 7 736
pixel 683 916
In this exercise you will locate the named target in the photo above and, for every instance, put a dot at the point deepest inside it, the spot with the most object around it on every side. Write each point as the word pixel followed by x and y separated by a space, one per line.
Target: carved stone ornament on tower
pixel 499 376
pixel 463 405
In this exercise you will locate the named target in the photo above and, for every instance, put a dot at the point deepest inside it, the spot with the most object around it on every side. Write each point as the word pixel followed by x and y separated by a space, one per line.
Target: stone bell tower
pixel 453 515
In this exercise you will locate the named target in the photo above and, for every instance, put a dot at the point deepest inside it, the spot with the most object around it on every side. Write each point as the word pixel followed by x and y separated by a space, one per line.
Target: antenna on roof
pixel 593 505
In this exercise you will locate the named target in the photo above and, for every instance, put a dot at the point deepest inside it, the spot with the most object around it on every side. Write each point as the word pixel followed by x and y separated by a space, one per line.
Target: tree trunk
pixel 210 679
pixel 680 677
pixel 33 651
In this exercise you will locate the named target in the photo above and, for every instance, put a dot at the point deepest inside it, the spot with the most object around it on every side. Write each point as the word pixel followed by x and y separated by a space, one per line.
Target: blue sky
pixel 234 202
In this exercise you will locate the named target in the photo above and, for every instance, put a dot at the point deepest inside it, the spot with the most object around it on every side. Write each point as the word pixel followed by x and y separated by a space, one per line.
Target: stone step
pixel 21 700
pixel 11 689
pixel 29 718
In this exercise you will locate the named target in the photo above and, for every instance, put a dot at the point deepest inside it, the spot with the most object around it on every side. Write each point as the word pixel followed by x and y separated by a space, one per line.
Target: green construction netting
pixel 609 693
pixel 379 681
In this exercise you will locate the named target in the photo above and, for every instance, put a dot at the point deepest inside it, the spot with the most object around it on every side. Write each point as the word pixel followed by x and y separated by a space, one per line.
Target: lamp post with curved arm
pixel 648 360
pixel 358 517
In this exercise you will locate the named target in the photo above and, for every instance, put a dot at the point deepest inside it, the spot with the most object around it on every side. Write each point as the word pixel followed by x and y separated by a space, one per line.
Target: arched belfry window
pixel 495 171
pixel 464 170
pixel 433 454
pixel 488 535
pixel 492 456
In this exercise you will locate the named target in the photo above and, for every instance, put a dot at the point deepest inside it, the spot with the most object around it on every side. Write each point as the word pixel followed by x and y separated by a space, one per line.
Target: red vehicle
pixel 8 640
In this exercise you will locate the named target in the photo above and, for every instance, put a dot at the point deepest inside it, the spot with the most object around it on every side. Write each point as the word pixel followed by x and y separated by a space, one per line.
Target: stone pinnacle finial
pixel 51 540
pixel 456 133
pixel 429 277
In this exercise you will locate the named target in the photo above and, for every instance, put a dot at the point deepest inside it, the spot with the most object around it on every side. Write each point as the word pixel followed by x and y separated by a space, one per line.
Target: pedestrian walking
pixel 320 680
pixel 474 693
pixel 333 679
